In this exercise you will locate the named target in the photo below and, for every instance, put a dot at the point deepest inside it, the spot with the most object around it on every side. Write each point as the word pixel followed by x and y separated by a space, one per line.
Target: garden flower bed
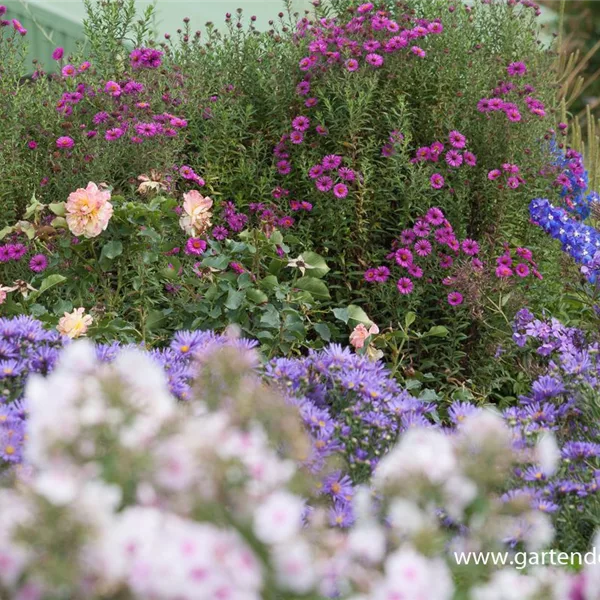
pixel 303 313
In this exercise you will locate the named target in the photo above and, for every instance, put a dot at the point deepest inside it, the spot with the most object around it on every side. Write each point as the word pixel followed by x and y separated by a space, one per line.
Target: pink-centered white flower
pixel 88 211
pixel 196 213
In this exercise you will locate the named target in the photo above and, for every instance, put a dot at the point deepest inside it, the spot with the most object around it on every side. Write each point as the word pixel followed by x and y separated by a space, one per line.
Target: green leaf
pixel 341 314
pixel 111 250
pixel 47 283
pixel 315 264
pixel 437 331
pixel 37 310
pixel 154 319
pixel 58 208
pixel 323 330
pixel 5 231
pixel 313 285
pixel 356 313
pixel 270 317
pixel 59 222
pixel 257 296
pixel 216 262
pixel 234 299
pixel 409 319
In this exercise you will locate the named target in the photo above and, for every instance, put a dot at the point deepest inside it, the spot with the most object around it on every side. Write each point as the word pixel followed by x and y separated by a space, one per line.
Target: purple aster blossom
pixel 454 158
pixel 404 285
pixel 38 263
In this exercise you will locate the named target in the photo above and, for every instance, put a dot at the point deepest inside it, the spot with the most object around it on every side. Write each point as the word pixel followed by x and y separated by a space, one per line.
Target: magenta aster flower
pixel 404 257
pixel 513 115
pixel 503 272
pixel 437 181
pixel 382 274
pixel 301 123
pixel 504 260
pixel 510 168
pixel 524 253
pixel 324 183
pixel 454 158
pixel 296 137
pixel 112 88
pixel 195 246
pixel 38 263
pixel 370 275
pixel 483 105
pixel 58 53
pixel 522 270
pixel 494 174
pixel 346 174
pixel 404 285
pixel 65 142
pixel 496 104
pixel 446 261
pixel 220 233
pixel 417 51
pixel 470 158
pixel 421 228
pixel 114 134
pixel 470 247
pixel 423 248
pixel 331 161
pixel 455 298
pixel 284 167
pixel 434 216
pixel 340 190
pixel 315 172
pixel 32 144
pixel 69 71
pixel 374 59
pixel 303 88
pixel 513 182
pixel 415 271
pixel 321 130
pixel 423 153
pixel 407 237
pixel 351 64
pixel 457 139
pixel 516 69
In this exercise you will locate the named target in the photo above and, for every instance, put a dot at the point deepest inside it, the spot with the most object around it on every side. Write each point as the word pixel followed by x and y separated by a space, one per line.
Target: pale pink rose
pixel 196 213
pixel 361 333
pixel 74 324
pixel 88 211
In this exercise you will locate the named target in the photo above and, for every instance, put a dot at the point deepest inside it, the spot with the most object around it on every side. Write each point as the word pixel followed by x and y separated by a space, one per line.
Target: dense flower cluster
pixel 350 405
pixel 579 240
pixel 430 253
pixel 118 475
pixel 571 178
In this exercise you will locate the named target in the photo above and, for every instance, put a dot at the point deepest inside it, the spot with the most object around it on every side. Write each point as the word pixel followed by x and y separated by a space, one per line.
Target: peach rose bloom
pixel 74 324
pixel 196 213
pixel 360 334
pixel 88 211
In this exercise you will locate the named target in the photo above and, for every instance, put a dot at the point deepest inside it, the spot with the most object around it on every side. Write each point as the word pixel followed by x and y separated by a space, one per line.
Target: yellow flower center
pixel 9 450
pixel 185 348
